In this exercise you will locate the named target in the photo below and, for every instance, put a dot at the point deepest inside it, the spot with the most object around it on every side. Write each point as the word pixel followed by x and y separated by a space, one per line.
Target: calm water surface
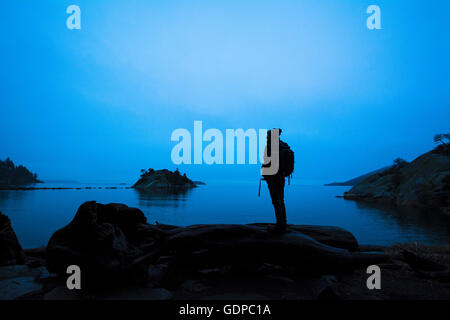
pixel 36 214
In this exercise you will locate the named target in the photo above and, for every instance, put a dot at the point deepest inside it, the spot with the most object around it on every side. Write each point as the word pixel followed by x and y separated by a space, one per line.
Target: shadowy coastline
pixel 132 259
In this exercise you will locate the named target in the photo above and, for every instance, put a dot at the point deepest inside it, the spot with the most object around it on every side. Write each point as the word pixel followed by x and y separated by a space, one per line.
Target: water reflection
pixel 36 214
pixel 8 198
pixel 431 223
pixel 163 197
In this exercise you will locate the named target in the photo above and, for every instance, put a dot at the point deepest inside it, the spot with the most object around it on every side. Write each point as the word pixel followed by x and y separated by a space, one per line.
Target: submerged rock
pixel 10 249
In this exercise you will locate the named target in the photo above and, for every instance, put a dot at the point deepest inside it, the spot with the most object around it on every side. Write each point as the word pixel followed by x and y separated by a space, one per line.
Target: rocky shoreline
pixel 123 257
pixel 423 183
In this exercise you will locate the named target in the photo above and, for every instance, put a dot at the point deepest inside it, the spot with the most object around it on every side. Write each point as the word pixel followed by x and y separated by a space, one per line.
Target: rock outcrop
pixel 115 243
pixel 108 242
pixel 425 182
pixel 10 249
pixel 163 179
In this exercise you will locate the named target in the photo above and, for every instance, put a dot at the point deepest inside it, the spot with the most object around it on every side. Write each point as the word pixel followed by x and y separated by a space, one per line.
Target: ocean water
pixel 36 214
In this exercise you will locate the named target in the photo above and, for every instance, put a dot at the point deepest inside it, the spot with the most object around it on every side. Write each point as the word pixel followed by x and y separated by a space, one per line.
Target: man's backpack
pixel 286 159
pixel 286 162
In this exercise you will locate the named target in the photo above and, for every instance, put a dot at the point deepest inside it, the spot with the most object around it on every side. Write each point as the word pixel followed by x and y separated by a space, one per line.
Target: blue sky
pixel 100 103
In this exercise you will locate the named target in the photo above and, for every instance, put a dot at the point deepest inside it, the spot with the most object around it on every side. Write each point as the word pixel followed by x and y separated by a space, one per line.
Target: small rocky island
pixel 423 183
pixel 163 179
pixel 12 175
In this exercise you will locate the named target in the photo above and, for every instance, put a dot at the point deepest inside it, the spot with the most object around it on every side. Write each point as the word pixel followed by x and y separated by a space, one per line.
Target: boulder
pixel 10 249
pixel 110 243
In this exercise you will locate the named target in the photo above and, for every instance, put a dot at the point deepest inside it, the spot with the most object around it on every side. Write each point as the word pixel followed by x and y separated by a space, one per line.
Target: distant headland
pixel 422 183
pixel 356 180
pixel 12 175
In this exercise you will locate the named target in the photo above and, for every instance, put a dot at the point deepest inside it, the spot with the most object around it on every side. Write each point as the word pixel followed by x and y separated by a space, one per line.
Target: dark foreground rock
pixel 427 268
pixel 107 242
pixel 10 250
pixel 308 249
pixel 115 242
pixel 123 257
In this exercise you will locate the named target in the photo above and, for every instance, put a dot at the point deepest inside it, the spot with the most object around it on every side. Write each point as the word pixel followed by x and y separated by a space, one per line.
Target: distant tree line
pixel 12 175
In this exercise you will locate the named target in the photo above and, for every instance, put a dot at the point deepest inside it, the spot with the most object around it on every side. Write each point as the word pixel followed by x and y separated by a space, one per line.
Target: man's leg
pixel 279 203
pixel 283 207
pixel 273 186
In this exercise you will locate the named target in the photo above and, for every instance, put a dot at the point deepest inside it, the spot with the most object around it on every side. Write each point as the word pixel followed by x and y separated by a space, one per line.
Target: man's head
pixel 271 154
pixel 269 133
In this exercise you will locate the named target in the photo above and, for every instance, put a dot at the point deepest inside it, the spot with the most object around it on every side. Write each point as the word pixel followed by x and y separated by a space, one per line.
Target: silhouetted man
pixel 278 164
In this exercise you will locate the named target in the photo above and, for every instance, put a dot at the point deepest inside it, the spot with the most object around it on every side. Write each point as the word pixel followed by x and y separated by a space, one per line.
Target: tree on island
pixel 443 139
pixel 400 163
pixel 12 175
pixel 163 179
